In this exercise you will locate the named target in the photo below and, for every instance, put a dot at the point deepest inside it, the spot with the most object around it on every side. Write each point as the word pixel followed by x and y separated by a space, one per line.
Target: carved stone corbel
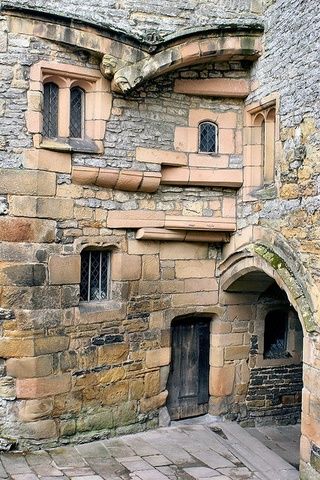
pixel 110 65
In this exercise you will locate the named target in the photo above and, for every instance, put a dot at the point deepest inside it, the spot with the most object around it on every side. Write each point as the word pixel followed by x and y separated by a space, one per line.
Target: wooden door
pixel 188 382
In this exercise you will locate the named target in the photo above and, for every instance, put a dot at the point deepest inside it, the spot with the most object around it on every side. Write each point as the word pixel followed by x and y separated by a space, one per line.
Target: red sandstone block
pixel 44 386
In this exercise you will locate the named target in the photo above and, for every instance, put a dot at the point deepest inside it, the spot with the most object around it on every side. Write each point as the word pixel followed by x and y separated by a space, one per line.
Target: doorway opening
pixel 188 382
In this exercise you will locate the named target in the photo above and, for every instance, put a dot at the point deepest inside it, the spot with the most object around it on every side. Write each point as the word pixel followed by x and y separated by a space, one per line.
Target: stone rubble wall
pixel 139 17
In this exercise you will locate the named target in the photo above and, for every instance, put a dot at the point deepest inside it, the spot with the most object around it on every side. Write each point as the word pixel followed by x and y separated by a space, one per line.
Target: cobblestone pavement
pixel 218 451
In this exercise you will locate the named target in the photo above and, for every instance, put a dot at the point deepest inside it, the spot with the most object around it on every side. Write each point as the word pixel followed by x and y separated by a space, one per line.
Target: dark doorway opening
pixel 188 382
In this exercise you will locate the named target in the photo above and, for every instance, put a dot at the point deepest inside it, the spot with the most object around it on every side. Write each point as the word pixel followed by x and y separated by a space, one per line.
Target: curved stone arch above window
pixel 97 106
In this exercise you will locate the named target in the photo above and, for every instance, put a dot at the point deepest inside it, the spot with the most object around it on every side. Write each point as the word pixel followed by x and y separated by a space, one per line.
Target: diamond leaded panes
pixel 208 137
pixel 76 112
pixel 50 110
pixel 94 275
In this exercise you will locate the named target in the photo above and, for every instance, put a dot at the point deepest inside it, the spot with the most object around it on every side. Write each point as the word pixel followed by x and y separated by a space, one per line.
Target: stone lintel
pixel 214 87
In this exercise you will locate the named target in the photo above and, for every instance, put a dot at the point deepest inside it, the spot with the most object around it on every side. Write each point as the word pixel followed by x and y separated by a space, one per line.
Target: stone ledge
pixel 145 218
pixel 219 177
pixel 166 235
pixel 161 157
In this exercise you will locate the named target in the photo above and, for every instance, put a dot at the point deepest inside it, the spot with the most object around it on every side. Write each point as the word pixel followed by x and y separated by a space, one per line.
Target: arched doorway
pixel 248 270
pixel 274 337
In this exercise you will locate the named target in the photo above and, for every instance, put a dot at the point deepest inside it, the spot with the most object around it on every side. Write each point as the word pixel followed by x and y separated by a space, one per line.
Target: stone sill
pixel 77 145
pixel 98 306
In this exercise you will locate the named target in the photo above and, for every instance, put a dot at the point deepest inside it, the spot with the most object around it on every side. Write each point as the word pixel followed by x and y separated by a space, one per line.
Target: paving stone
pixel 151 475
pixel 240 473
pixel 157 460
pixel 87 477
pixel 200 472
pixel 24 476
pixel 93 450
pixel 48 470
pixel 134 464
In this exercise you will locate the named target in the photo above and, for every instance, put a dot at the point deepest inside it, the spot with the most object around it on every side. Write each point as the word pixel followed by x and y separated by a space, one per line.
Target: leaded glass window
pixel 76 112
pixel 208 136
pixel 50 110
pixel 95 275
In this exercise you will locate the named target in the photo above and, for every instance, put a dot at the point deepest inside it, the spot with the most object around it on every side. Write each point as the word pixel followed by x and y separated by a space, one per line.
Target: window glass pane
pixel 208 138
pixel 50 110
pixel 76 112
pixel 94 275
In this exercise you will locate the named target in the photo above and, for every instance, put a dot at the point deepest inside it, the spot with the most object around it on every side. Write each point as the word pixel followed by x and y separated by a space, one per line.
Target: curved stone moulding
pixel 195 51
pixel 126 180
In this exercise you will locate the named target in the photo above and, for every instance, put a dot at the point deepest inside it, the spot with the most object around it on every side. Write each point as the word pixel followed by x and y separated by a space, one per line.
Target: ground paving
pixel 217 451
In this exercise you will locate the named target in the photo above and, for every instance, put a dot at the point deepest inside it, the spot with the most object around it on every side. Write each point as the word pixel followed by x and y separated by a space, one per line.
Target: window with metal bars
pixel 76 112
pixel 50 110
pixel 208 137
pixel 95 275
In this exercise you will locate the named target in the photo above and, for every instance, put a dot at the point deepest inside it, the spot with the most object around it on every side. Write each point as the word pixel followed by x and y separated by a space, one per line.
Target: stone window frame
pixel 216 128
pixel 262 136
pixel 291 340
pixel 97 106
pixel 108 291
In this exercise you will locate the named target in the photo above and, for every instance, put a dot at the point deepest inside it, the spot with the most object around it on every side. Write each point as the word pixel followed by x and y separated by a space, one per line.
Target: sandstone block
pixel 96 421
pixel 44 386
pixel 183 251
pixel 200 285
pixel 136 389
pixel 7 388
pixel 153 403
pixel 126 267
pixel 61 208
pixel 150 267
pixel 29 367
pixel 221 380
pixel 158 358
pixel 236 353
pixel 22 274
pixel 115 393
pixel 26 230
pixel 41 159
pixel 16 347
pixel 165 157
pixel 52 344
pixel 27 182
pixel 113 375
pixel 195 268
pixel 112 354
pixel 142 248
pixel 23 206
pixel 41 429
pixel 31 410
pixel 152 384
pixel 126 413
pixel 197 298
pixel 64 269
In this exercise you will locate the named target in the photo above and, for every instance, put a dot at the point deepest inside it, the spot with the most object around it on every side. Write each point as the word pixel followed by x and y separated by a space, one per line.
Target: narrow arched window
pixel 208 137
pixel 50 110
pixel 76 112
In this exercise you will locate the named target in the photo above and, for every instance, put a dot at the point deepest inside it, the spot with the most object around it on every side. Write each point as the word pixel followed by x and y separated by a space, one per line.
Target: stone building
pixel 159 217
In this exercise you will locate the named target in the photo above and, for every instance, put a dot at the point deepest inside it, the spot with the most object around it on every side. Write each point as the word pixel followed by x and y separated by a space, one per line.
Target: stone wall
pixel 274 395
pixel 73 371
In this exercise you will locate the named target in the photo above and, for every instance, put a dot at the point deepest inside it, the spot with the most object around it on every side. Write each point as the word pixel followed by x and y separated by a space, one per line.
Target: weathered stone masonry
pixel 227 237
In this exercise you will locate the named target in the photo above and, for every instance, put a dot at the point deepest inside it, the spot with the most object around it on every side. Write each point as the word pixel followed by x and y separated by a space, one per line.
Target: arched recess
pixel 252 267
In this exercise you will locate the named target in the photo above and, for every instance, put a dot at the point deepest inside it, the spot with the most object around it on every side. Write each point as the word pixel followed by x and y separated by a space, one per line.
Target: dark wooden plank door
pixel 188 382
